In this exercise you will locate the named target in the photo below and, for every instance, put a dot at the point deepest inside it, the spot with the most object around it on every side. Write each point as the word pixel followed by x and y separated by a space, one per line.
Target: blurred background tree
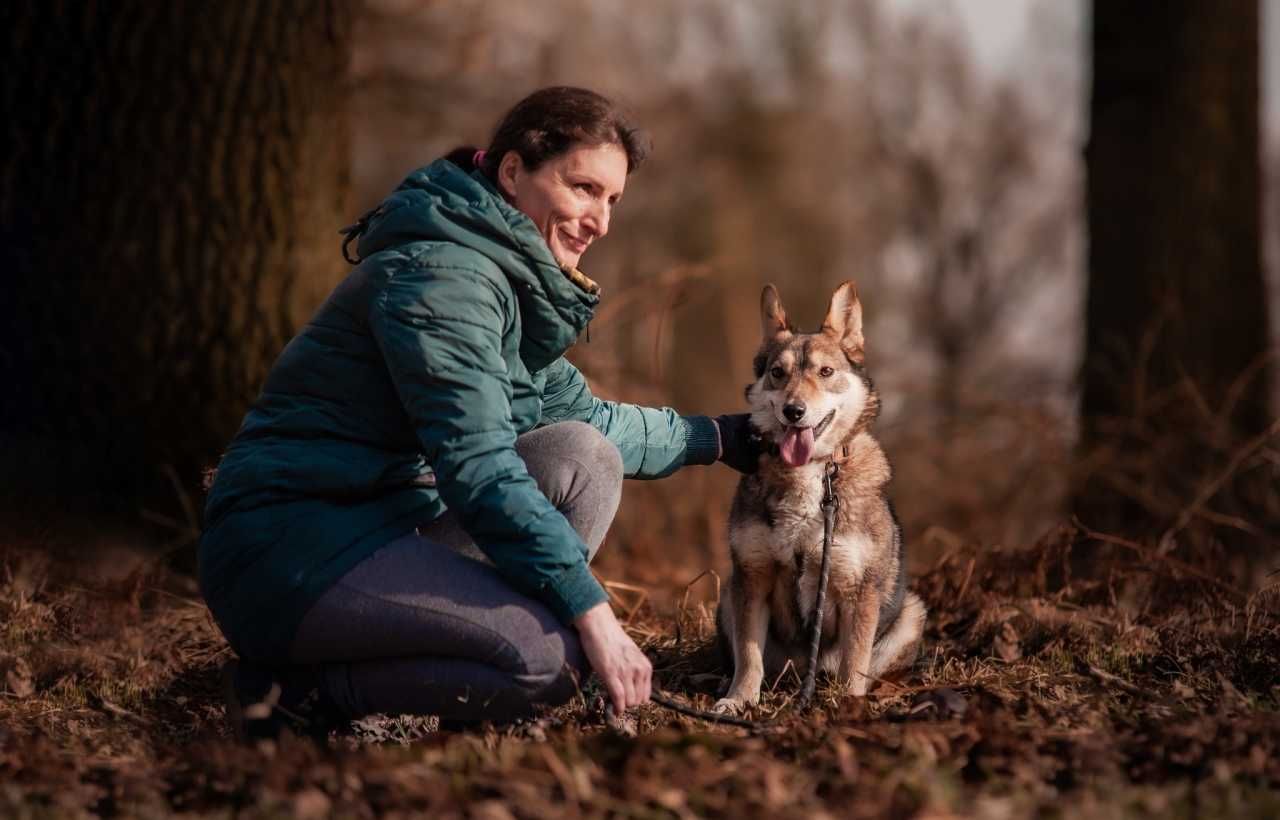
pixel 171 184
pixel 1176 409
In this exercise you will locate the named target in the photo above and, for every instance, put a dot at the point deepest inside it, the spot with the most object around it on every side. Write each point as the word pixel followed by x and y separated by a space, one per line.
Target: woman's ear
pixel 509 171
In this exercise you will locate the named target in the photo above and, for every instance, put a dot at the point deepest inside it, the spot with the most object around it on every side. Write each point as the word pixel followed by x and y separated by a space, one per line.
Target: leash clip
pixel 829 499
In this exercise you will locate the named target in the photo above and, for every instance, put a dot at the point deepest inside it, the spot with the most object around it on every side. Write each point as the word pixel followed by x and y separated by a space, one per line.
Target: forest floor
pixel 1155 691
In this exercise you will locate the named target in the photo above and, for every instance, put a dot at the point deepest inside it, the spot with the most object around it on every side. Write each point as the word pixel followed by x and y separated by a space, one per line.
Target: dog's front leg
pixel 749 593
pixel 858 621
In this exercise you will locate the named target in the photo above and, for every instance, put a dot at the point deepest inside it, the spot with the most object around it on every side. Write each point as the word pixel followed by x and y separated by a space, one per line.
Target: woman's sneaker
pixel 261 706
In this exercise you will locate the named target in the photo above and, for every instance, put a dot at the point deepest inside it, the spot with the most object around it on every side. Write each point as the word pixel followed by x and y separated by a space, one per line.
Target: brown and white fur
pixel 812 402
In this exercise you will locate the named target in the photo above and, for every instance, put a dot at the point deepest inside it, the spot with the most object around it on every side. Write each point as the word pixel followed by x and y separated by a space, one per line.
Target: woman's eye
pixel 826 372
pixel 777 372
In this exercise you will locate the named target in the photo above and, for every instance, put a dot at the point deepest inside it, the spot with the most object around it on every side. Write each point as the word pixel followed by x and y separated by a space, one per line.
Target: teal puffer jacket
pixel 402 397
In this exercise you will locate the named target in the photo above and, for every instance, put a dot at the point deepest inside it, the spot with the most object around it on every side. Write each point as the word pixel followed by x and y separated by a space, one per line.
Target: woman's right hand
pixel 622 667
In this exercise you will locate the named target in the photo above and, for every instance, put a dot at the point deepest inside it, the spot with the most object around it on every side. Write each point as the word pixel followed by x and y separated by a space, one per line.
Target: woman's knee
pixel 572 446
pixel 554 672
pixel 601 455
pixel 580 471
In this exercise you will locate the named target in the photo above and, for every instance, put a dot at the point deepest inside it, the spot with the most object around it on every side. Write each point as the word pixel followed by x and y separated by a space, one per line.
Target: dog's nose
pixel 794 411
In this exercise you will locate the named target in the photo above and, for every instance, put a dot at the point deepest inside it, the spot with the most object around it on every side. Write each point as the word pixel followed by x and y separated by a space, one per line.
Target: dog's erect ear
pixel 844 320
pixel 773 319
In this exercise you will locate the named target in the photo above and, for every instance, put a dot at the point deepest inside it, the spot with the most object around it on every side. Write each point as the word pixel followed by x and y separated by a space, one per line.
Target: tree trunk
pixel 1175 379
pixel 173 177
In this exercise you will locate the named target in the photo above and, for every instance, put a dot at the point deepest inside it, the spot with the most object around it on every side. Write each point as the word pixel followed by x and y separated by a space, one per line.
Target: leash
pixel 667 702
pixel 829 505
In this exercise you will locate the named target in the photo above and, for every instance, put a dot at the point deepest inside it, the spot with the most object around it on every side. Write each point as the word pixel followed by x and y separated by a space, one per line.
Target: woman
pixel 404 520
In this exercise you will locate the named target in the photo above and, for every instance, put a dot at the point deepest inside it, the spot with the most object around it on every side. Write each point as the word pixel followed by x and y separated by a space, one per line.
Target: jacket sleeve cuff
pixel 574 592
pixel 703 443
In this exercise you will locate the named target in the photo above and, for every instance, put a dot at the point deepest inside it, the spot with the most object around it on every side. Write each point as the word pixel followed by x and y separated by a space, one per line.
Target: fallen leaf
pixel 491 810
pixel 941 703
pixel 311 803
pixel 18 679
pixel 1006 644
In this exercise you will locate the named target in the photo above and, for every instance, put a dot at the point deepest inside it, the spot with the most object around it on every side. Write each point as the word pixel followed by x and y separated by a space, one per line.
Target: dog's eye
pixel 777 372
pixel 826 372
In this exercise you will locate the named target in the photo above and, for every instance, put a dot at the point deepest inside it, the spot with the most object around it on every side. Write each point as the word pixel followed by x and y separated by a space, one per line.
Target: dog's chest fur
pixel 776 533
pixel 792 512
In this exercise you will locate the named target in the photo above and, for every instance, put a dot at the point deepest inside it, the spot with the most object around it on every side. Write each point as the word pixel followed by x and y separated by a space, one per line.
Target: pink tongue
pixel 797 446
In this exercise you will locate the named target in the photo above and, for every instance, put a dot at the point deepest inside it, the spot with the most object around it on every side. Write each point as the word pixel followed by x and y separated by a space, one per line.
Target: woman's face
pixel 569 197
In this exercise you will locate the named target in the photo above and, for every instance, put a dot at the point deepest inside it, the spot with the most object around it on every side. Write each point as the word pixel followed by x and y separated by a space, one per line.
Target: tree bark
pixel 1175 376
pixel 169 172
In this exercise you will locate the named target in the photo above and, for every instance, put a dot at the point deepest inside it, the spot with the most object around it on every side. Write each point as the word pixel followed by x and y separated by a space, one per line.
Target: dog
pixel 813 403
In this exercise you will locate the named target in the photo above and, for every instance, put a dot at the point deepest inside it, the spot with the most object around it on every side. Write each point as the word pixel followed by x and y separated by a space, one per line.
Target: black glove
pixel 740 444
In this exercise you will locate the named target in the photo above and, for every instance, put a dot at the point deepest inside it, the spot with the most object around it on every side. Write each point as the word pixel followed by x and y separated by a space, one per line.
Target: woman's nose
pixel 597 219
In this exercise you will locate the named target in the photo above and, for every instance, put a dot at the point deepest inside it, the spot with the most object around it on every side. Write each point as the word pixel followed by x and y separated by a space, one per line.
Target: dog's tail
pixel 897 648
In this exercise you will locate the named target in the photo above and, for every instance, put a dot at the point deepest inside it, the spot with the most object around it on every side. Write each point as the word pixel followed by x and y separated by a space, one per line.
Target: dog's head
pixel 812 391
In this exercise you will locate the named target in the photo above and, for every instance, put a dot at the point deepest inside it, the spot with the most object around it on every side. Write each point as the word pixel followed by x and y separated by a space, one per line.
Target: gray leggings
pixel 426 625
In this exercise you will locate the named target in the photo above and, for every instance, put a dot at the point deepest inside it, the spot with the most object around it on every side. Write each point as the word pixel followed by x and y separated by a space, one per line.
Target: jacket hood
pixel 442 202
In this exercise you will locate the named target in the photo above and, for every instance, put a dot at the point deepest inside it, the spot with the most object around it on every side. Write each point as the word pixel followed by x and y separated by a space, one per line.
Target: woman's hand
pixel 740 444
pixel 622 667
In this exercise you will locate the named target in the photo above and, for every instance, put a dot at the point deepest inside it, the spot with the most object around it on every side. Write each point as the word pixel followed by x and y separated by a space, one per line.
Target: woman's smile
pixel 575 245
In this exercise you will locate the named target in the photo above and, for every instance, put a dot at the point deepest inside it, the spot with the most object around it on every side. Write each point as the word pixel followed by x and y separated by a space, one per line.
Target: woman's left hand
pixel 624 670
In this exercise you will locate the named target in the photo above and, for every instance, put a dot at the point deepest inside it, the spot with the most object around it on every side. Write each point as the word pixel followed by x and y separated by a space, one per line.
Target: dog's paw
pixel 728 706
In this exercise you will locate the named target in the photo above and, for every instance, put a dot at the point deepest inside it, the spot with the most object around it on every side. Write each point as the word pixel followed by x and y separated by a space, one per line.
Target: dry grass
pixel 1150 691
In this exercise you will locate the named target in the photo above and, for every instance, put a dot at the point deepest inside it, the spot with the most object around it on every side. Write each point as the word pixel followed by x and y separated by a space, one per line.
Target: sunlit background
pixel 929 151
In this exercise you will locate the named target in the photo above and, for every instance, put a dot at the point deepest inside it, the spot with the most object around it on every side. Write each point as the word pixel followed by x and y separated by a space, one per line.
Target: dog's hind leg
pixel 897 648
